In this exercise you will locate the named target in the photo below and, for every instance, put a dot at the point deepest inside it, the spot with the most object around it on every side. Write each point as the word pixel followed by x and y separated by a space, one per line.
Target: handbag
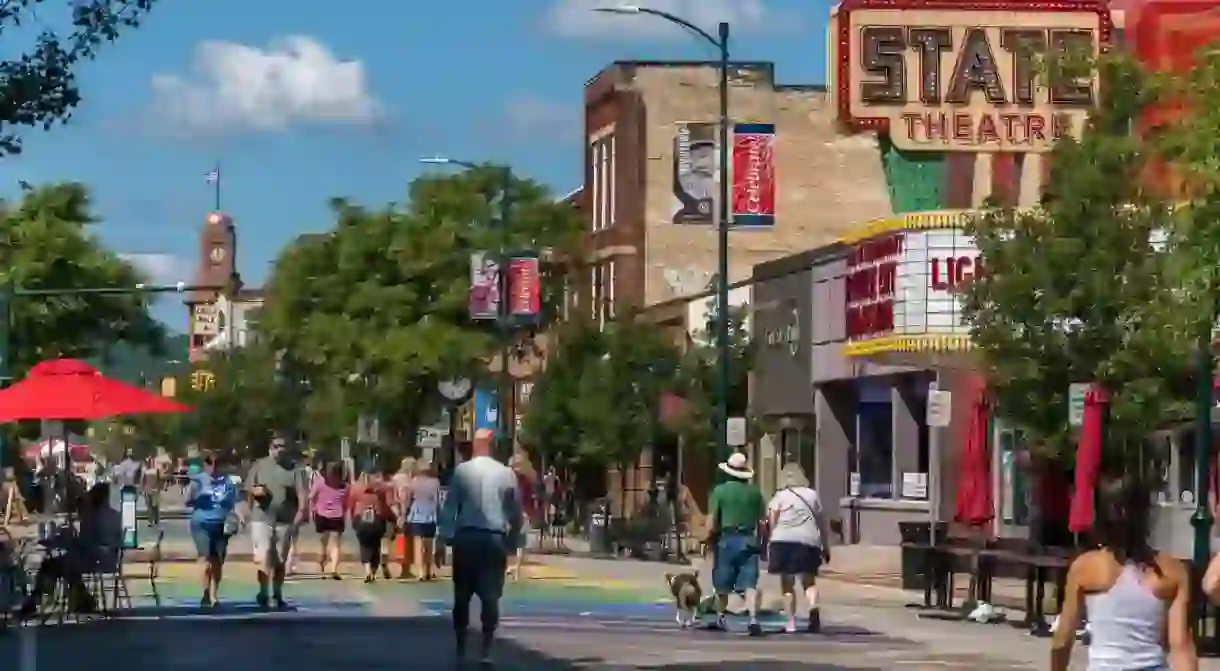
pixel 231 526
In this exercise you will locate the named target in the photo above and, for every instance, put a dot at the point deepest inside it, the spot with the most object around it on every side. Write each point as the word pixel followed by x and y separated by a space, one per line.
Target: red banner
pixel 524 288
pixel 753 174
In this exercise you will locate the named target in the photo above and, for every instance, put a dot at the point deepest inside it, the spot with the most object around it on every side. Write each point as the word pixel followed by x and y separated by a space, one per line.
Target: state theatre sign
pixel 943 75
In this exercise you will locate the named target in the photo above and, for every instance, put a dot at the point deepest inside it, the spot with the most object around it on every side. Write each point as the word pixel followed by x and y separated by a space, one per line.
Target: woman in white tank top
pixel 1138 599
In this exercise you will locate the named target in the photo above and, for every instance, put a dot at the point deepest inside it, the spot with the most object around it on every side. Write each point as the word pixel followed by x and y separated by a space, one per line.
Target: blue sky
pixel 301 102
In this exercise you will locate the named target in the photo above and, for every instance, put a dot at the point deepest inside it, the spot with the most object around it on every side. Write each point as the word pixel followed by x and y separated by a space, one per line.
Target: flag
pixel 213 176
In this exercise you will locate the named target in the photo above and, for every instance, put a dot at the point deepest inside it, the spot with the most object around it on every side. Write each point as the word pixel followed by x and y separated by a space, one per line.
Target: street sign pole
pixel 6 317
pixel 940 412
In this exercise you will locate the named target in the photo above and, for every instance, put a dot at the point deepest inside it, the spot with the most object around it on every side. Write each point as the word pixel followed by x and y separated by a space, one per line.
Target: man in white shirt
pixel 482 521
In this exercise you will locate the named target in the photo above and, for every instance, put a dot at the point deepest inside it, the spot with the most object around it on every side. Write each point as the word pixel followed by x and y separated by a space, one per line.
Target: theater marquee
pixel 938 75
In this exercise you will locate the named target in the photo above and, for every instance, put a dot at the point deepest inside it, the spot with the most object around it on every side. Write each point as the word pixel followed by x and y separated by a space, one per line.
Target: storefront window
pixel 1015 490
pixel 875 450
pixel 1187 473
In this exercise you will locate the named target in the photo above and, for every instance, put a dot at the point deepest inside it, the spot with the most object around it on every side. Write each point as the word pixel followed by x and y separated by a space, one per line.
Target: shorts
pixel 369 535
pixel 735 567
pixel 333 525
pixel 784 558
pixel 210 540
pixel 271 543
pixel 480 559
pixel 421 529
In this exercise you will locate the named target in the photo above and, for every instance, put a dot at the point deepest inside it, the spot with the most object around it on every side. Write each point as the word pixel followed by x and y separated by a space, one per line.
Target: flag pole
pixel 216 187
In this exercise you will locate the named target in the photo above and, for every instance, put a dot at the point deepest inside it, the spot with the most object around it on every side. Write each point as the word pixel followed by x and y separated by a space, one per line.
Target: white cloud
pixel 529 114
pixel 239 88
pixel 577 18
pixel 159 268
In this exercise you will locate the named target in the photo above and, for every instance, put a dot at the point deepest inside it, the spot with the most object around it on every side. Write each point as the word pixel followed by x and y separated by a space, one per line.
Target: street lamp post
pixel 506 422
pixel 1202 520
pixel 724 373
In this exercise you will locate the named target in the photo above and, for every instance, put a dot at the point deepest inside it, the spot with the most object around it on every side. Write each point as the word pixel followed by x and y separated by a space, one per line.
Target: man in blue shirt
pixel 211 498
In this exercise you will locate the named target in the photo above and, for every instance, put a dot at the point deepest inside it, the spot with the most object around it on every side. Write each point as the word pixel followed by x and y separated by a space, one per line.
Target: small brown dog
pixel 687 594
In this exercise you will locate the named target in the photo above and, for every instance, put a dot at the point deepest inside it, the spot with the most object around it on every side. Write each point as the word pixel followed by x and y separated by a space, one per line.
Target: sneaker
pixel 815 621
pixel 790 626
pixel 280 604
pixel 755 629
pixel 206 601
pixel 261 601
pixel 718 623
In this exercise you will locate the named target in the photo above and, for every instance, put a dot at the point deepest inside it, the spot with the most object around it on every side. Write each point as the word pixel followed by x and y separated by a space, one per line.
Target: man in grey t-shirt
pixel 277 492
pixel 127 472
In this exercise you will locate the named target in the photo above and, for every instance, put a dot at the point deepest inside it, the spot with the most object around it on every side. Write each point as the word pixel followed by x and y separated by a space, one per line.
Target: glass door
pixel 1013 490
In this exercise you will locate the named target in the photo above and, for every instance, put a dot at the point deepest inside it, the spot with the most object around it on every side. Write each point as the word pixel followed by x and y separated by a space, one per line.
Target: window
pixel 1187 473
pixel 612 174
pixel 595 290
pixel 595 150
pixel 567 298
pixel 875 449
pixel 1015 491
pixel 609 290
pixel 607 188
pixel 603 180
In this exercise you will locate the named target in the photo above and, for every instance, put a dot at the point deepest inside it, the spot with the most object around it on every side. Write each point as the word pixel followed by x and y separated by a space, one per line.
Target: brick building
pixel 647 248
pixel 219 318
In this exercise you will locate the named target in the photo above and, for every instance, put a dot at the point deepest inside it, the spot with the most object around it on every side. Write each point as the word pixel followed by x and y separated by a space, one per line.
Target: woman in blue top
pixel 211 498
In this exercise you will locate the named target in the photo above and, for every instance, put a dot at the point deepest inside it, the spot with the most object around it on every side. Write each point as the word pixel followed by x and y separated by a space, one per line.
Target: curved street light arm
pixel 673 18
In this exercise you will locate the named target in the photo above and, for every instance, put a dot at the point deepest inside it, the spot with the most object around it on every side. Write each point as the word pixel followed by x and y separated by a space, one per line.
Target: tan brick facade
pixel 825 185
pixel 827 182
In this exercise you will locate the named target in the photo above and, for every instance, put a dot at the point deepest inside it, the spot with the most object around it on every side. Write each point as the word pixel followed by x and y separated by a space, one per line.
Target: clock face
pixel 218 254
pixel 455 389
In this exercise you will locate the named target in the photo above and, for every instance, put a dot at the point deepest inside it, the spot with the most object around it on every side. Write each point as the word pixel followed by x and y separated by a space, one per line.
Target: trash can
pixel 599 528
pixel 913 559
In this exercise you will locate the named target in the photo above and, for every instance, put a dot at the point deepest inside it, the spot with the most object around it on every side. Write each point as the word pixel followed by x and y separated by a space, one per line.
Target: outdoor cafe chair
pixel 14 575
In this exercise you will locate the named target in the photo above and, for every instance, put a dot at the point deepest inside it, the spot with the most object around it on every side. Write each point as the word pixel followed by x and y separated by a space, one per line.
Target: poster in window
pixel 695 185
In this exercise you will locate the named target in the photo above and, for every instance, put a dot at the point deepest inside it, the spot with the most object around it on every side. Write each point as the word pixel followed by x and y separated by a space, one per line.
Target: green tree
pixel 597 404
pixel 551 425
pixel 700 382
pixel 46 243
pixel 238 402
pixel 39 82
pixel 382 297
pixel 1084 289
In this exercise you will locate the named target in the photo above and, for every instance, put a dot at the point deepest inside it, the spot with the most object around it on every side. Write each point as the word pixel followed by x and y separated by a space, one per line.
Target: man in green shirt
pixel 736 508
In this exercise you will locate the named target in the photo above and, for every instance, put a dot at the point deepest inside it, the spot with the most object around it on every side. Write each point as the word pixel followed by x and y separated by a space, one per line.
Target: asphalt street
pixel 596 617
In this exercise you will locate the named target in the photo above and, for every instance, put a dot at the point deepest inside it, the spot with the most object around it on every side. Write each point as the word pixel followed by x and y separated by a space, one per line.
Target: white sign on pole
pixel 1076 394
pixel 345 448
pixel 735 428
pixel 940 408
pixel 368 429
pixel 430 436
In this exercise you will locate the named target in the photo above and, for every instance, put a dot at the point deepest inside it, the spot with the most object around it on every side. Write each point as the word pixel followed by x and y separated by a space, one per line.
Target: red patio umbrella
pixel 1088 461
pixel 72 389
pixel 974 505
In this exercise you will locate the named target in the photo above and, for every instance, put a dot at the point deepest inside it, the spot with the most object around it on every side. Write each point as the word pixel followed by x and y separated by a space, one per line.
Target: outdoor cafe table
pixel 939 571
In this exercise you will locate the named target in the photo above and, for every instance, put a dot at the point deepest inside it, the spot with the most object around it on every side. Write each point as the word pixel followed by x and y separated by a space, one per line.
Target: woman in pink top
pixel 328 501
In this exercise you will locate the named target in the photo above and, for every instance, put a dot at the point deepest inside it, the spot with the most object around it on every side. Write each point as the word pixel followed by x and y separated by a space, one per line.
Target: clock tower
pixel 215 267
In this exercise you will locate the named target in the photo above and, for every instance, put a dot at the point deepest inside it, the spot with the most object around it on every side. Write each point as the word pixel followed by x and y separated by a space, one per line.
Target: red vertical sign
pixel 524 288
pixel 753 174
